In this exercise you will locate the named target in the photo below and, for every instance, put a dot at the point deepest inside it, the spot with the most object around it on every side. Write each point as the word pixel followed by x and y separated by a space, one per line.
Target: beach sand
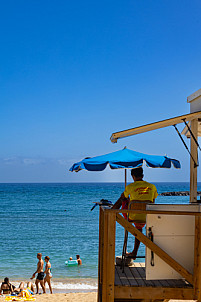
pixel 75 297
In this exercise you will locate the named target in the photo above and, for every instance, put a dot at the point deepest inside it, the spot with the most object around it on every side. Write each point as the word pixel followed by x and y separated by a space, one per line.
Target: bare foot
pixel 131 255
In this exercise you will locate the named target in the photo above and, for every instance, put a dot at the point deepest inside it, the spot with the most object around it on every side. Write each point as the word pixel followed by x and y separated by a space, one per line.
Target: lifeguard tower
pixel 176 269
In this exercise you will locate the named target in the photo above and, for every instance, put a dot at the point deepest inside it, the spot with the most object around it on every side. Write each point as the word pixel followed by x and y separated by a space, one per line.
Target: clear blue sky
pixel 74 72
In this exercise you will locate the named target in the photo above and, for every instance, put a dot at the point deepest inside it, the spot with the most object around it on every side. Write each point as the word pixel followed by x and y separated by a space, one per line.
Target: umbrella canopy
pixel 125 159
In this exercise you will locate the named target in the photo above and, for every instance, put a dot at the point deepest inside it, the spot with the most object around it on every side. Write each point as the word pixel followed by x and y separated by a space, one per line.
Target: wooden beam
pixel 193 169
pixel 158 212
pixel 197 260
pixel 107 276
pixel 100 255
pixel 156 249
pixel 134 292
pixel 111 257
pixel 104 256
pixel 153 126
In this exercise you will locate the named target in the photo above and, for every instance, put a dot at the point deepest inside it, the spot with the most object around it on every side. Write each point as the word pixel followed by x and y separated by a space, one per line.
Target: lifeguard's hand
pixel 33 276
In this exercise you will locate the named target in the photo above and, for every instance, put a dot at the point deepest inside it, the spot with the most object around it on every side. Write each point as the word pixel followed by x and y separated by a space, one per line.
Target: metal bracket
pixel 193 136
pixel 195 164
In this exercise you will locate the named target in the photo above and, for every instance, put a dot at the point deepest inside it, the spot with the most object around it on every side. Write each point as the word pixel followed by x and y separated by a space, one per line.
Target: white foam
pixel 67 285
pixel 80 286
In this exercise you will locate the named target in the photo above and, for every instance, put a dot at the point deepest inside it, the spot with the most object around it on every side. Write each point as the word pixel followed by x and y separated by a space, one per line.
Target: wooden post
pixel 100 255
pixel 111 256
pixel 197 260
pixel 193 169
pixel 108 258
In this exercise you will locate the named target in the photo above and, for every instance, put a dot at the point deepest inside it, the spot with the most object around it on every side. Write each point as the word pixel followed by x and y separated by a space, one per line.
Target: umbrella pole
pixel 125 179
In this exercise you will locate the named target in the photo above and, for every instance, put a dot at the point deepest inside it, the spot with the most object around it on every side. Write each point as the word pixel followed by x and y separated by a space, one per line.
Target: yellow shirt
pixel 140 190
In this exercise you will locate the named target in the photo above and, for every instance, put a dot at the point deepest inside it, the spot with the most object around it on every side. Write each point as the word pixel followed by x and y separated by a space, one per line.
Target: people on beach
pixel 21 291
pixel 139 190
pixel 18 289
pixel 79 261
pixel 40 274
pixel 26 292
pixel 48 274
pixel 6 287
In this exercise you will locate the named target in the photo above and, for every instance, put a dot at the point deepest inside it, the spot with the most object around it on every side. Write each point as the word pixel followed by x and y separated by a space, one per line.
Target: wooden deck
pixel 134 285
pixel 113 285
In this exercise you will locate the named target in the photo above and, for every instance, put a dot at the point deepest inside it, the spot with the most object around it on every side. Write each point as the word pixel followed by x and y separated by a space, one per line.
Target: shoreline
pixel 64 285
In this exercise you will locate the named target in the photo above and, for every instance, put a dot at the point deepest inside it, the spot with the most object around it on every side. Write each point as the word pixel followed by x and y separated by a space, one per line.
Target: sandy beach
pixel 75 297
pixel 81 297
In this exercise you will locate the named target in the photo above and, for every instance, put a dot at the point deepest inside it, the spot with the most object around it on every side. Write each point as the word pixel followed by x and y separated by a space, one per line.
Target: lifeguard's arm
pixel 118 203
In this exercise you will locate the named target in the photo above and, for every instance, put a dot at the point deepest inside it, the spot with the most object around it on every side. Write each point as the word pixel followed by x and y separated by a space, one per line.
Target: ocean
pixel 56 220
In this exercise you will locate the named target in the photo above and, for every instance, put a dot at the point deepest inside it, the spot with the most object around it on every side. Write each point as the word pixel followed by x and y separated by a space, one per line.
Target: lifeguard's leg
pixel 133 254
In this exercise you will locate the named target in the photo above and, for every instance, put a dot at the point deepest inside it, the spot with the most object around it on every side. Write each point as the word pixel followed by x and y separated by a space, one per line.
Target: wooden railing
pixel 106 265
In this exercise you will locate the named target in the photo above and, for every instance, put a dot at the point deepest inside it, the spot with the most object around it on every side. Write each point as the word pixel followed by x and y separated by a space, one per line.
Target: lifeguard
pixel 140 190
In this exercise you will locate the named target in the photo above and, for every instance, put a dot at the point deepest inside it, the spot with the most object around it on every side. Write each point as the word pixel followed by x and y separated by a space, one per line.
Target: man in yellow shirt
pixel 139 190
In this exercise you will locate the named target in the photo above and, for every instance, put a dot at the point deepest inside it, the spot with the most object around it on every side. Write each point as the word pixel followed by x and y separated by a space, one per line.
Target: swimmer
pixel 79 261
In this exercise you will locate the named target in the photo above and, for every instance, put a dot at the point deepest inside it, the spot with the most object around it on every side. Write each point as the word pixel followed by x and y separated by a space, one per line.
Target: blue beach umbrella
pixel 124 159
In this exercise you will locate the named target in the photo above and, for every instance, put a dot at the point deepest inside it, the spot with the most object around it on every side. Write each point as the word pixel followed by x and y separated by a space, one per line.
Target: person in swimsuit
pixel 40 276
pixel 6 287
pixel 21 288
pixel 79 261
pixel 26 292
pixel 48 273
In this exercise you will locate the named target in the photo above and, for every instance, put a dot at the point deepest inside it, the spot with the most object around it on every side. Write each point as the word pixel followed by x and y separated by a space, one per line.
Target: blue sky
pixel 74 72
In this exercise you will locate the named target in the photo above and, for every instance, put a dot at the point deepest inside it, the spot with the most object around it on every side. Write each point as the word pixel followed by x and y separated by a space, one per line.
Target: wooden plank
pixel 171 283
pixel 130 277
pixel 100 255
pixel 111 231
pixel 181 283
pixel 157 125
pixel 122 277
pixel 104 260
pixel 156 249
pixel 164 283
pixel 117 279
pixel 197 260
pixel 132 292
pixel 183 213
pixel 193 169
pixel 141 271
pixel 137 276
pixel 154 282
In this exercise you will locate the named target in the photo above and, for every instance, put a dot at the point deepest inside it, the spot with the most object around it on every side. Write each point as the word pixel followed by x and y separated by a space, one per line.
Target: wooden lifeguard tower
pixel 133 284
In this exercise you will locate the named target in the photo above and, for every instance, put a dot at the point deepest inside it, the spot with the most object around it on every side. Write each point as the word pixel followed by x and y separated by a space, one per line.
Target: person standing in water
pixel 79 261
pixel 48 273
pixel 40 276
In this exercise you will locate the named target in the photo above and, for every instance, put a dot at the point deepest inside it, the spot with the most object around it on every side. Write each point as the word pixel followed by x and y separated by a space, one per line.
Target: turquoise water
pixel 55 219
